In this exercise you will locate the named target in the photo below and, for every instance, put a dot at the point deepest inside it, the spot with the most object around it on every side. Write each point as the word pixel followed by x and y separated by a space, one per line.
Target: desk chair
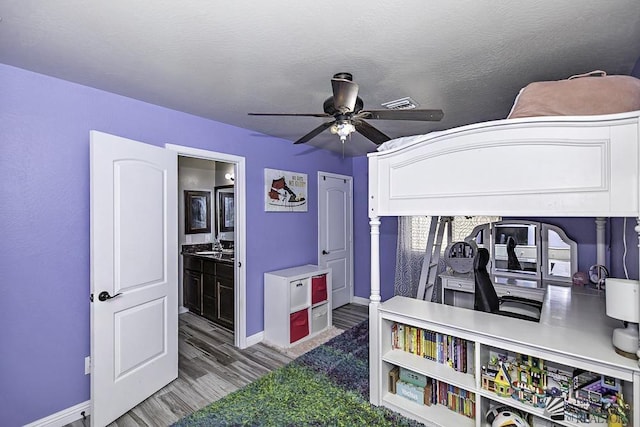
pixel 512 258
pixel 486 298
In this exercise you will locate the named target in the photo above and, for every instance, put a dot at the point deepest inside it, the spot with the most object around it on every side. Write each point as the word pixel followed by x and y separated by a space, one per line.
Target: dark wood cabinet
pixel 209 289
pixel 192 284
pixel 225 301
pixel 209 296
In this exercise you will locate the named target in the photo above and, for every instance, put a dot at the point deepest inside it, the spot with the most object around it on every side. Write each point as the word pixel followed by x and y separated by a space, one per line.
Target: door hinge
pixel 91 298
pixel 87 365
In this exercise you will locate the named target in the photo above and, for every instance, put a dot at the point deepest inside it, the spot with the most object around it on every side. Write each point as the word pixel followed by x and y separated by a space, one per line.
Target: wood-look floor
pixel 210 367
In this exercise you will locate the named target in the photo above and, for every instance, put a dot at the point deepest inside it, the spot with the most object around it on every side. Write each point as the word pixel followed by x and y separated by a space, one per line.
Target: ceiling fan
pixel 346 108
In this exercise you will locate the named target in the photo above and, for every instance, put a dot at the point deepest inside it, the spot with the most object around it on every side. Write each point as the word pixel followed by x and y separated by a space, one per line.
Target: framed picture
pixel 224 209
pixel 285 191
pixel 197 208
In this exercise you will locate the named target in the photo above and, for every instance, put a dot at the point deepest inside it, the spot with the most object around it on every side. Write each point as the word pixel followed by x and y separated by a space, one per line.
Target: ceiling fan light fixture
pixel 343 130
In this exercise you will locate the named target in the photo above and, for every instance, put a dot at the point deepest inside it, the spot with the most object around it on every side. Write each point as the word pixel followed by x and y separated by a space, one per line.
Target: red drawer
pixel 299 325
pixel 318 289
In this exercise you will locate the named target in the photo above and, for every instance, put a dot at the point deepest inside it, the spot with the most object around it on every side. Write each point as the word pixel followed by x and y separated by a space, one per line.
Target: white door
pixel 134 260
pixel 335 236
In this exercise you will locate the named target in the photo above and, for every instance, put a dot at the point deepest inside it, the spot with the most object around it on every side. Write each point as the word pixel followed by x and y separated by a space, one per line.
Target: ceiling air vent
pixel 401 104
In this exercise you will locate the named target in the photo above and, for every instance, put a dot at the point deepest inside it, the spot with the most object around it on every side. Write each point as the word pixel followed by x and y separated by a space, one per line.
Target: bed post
pixel 601 223
pixel 637 410
pixel 374 302
pixel 636 376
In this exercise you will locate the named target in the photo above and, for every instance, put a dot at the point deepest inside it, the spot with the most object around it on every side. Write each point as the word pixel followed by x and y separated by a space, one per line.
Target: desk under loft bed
pixel 564 166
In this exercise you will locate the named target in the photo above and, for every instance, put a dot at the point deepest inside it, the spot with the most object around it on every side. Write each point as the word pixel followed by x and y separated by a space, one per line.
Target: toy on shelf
pixel 496 375
pixel 575 396
pixel 531 384
pixel 618 413
pixel 593 397
pixel 505 416
pixel 554 408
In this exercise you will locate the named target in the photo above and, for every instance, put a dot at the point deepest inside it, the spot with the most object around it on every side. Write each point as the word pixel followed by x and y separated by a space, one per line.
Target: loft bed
pixel 566 166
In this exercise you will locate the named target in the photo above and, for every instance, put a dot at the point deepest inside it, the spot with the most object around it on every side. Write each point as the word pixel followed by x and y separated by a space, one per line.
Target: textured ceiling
pixel 221 60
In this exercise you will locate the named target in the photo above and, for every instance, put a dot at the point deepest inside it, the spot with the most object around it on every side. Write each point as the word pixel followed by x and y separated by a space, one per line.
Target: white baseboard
pixel 255 338
pixel 64 417
pixel 182 309
pixel 360 301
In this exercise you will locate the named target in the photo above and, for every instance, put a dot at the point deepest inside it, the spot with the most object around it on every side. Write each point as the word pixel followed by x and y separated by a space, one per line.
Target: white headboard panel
pixel 544 166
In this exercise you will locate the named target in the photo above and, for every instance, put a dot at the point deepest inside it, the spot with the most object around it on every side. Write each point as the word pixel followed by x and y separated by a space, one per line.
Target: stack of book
pixel 441 348
pixel 427 391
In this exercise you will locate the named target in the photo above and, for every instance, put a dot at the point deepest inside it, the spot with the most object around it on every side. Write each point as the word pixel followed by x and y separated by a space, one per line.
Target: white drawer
pixel 300 294
pixel 536 294
pixel 459 285
pixel 319 318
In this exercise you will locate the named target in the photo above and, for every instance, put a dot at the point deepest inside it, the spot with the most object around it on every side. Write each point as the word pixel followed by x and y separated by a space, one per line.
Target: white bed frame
pixel 545 166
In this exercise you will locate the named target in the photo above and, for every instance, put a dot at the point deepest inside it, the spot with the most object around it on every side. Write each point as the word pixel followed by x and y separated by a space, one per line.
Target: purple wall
pixel 44 250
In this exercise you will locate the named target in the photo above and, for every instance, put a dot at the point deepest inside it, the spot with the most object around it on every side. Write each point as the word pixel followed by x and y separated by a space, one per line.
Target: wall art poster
pixel 285 191
pixel 197 216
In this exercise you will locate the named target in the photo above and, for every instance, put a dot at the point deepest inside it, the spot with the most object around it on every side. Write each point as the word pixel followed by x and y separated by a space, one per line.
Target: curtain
pixel 408 260
pixel 411 246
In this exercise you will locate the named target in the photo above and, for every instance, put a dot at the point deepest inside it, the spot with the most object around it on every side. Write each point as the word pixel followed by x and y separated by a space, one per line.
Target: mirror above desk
pixel 525 257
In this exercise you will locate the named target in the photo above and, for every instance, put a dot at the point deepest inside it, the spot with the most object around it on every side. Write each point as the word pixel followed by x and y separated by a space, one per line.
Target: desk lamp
pixel 623 303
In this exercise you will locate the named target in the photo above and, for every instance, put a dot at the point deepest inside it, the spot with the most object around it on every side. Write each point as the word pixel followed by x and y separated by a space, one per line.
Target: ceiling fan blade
pixel 417 115
pixel 292 114
pixel 314 132
pixel 345 94
pixel 370 132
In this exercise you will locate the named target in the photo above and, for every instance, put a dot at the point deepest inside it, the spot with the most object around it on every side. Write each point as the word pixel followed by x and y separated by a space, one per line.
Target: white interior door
pixel 335 235
pixel 134 259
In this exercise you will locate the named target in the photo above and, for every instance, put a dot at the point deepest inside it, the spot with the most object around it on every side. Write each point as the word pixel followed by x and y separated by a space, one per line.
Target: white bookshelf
pixel 561 344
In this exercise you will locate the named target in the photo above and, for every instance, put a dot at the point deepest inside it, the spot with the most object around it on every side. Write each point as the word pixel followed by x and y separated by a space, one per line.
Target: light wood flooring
pixel 210 367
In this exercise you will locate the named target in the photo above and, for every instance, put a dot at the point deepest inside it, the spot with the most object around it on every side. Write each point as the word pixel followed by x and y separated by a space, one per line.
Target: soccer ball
pixel 503 416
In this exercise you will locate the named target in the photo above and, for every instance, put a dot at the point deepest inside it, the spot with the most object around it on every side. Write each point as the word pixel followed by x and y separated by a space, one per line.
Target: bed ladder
pixel 432 256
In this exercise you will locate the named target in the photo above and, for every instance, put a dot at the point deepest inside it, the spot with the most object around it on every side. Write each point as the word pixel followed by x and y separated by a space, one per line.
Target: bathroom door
pixel 134 278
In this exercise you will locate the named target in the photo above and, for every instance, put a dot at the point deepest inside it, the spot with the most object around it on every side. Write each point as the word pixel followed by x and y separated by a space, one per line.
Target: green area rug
pixel 328 386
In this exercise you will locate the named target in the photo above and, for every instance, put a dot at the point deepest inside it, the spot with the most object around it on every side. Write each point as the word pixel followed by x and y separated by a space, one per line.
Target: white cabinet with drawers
pixel 297 304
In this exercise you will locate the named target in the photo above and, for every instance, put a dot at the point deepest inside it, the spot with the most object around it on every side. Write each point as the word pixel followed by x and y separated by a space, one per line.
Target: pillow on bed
pixel 581 95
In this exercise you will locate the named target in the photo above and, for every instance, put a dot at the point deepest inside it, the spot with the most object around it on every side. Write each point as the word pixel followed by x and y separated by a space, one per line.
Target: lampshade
pixel 623 304
pixel 623 300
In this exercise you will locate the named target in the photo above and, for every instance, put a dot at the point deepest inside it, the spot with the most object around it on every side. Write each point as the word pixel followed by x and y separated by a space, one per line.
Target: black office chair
pixel 512 258
pixel 487 300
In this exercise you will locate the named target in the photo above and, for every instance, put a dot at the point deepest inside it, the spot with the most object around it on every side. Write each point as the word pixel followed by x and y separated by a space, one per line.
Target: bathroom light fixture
pixel 229 176
pixel 343 129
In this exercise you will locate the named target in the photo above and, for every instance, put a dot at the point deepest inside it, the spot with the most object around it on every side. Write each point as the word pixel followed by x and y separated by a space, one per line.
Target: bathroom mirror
pixel 225 213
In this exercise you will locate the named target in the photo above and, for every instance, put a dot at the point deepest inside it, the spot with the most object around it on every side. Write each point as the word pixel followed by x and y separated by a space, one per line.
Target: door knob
pixel 325 252
pixel 104 295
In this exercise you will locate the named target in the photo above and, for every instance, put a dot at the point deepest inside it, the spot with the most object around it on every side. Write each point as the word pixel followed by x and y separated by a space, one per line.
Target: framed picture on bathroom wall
pixel 197 212
pixel 285 191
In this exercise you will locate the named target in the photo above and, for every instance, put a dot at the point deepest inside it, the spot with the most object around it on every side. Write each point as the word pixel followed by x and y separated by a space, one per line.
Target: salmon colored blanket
pixel 582 95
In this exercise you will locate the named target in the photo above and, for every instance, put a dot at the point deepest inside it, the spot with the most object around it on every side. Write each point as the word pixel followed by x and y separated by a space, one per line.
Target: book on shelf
pixel 456 399
pixel 394 375
pixel 441 348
